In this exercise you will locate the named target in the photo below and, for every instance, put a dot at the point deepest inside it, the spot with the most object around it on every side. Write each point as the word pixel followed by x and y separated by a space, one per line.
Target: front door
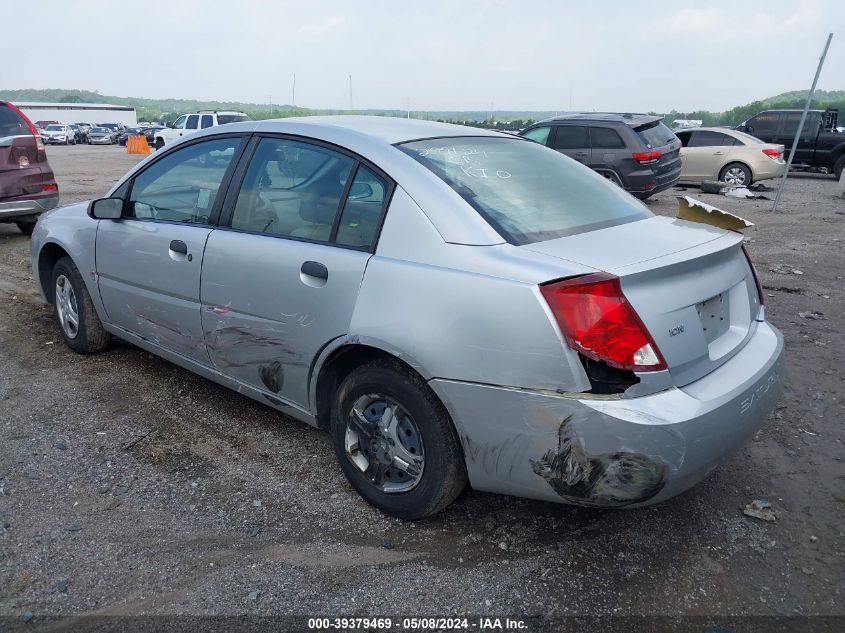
pixel 282 281
pixel 149 261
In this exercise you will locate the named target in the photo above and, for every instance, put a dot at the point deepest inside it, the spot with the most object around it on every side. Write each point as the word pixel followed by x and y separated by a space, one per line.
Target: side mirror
pixel 106 209
pixel 169 124
pixel 360 191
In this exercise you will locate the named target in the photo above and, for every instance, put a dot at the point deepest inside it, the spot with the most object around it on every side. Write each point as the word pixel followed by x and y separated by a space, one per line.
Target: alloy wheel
pixel 67 307
pixel 384 443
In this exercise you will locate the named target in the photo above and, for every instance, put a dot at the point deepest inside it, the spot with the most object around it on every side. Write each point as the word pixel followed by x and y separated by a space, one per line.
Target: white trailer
pixel 79 112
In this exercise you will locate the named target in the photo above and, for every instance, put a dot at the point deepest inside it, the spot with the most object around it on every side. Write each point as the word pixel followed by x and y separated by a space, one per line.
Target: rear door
pixel 806 142
pixel 607 151
pixel 705 154
pixel 572 140
pixel 149 262
pixel 281 282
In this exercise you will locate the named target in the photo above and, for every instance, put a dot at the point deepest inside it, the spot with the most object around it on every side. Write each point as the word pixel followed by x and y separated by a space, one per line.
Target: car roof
pixel 628 118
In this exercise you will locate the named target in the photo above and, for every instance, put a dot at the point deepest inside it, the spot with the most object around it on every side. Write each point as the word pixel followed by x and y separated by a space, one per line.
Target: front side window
pixel 570 137
pixel 292 189
pixel 526 192
pixel 766 122
pixel 182 186
pixel 538 134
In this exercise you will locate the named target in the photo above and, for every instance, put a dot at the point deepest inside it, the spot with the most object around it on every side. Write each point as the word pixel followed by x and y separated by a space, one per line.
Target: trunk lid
pixel 690 284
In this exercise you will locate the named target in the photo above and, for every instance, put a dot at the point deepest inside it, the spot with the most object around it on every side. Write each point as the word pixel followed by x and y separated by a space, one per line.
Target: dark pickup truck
pixel 820 146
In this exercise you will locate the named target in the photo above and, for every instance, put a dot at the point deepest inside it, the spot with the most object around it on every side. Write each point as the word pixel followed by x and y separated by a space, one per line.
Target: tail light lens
pixel 597 321
pixel 50 187
pixel 646 158
pixel 774 154
pixel 754 272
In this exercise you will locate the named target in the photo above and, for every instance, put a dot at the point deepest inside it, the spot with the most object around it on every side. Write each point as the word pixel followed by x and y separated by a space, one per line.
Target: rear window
pixel 526 192
pixel 222 119
pixel 655 134
pixel 11 124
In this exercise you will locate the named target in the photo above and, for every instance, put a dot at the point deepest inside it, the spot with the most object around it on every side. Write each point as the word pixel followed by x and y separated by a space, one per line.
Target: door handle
pixel 315 269
pixel 580 153
pixel 178 246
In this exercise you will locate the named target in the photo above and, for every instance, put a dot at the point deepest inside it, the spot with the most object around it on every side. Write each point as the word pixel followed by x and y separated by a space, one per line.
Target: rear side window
pixel 362 211
pixel 526 192
pixel 11 124
pixel 570 137
pixel 192 122
pixel 206 121
pixel 222 119
pixel 538 134
pixel 606 138
pixel 655 134
pixel 292 189
pixel 707 138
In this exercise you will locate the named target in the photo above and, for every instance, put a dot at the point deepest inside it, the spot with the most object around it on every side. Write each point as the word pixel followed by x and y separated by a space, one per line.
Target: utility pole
pixel 801 122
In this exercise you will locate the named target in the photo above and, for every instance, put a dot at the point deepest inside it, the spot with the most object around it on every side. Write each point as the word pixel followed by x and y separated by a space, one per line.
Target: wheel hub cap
pixel 66 307
pixel 384 443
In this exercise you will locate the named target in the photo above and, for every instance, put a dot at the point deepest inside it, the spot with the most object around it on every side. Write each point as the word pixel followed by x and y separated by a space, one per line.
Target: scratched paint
pixel 610 480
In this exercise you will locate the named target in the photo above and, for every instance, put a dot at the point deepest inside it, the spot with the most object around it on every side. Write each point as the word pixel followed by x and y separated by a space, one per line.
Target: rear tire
pixel 838 166
pixel 736 174
pixel 441 472
pixel 26 227
pixel 75 313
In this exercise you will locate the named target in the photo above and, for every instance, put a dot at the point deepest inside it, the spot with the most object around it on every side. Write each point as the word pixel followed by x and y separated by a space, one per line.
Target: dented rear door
pixel 267 311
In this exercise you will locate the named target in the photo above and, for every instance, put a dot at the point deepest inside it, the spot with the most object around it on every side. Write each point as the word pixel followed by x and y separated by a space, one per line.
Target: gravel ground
pixel 130 486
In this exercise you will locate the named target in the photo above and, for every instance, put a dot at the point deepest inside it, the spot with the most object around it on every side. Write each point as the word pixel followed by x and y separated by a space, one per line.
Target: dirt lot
pixel 131 486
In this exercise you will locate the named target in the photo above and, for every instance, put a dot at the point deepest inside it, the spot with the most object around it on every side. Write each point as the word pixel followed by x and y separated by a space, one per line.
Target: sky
pixel 431 55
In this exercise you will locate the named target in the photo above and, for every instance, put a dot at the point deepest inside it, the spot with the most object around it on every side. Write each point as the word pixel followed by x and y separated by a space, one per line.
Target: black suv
pixel 636 151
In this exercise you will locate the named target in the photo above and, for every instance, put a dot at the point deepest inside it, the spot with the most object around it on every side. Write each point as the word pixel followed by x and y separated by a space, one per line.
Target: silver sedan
pixel 453 305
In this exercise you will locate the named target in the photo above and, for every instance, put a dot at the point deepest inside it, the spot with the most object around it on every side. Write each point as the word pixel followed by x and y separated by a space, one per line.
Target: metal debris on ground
pixel 696 211
pixel 785 269
pixel 759 509
pixel 814 315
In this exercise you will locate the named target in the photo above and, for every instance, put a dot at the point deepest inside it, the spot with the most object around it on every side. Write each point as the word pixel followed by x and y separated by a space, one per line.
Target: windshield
pixel 656 134
pixel 100 130
pixel 525 191
pixel 222 119
pixel 55 128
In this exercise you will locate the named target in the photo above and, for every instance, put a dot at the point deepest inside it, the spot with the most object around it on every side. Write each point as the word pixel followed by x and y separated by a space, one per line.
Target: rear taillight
pixel 754 273
pixel 596 320
pixel 50 187
pixel 646 158
pixel 774 154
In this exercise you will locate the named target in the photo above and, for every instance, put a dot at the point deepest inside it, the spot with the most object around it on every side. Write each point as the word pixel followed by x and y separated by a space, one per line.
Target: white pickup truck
pixel 188 123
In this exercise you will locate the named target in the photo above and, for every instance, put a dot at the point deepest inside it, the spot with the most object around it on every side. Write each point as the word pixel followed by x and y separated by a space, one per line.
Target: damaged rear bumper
pixel 614 452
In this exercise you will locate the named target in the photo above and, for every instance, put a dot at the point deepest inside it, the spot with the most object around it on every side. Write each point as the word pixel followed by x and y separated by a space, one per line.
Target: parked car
pixel 126 133
pixel 635 151
pixel 100 136
pixel 821 145
pixel 733 157
pixel 451 304
pixel 58 134
pixel 188 123
pixel 116 129
pixel 43 124
pixel 78 135
pixel 27 184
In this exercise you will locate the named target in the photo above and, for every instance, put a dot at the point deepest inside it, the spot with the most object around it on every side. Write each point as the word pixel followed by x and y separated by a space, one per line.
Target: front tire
pixel 159 143
pixel 26 227
pixel 395 441
pixel 75 313
pixel 736 174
